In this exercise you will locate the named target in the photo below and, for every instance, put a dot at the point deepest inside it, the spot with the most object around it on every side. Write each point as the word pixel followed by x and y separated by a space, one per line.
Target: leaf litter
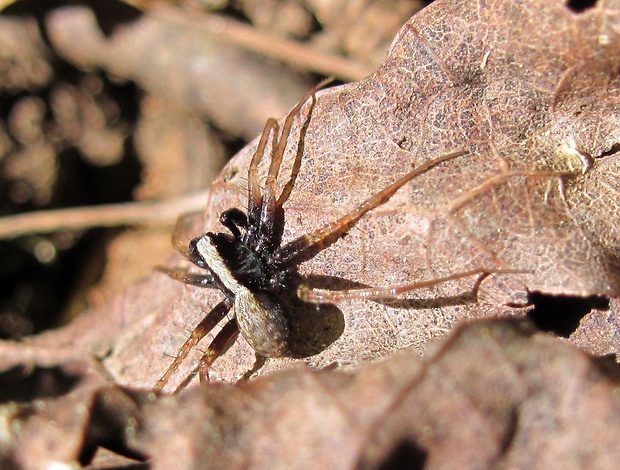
pixel 528 89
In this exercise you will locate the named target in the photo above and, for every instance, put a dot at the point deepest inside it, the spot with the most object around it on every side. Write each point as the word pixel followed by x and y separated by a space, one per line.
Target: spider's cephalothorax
pixel 252 268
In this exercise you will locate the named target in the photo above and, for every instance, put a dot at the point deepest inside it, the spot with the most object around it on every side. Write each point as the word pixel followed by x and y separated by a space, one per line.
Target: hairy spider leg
pixel 325 296
pixel 265 210
pixel 272 214
pixel 220 344
pixel 306 246
pixel 255 198
pixel 269 210
pixel 204 328
pixel 288 187
pixel 277 152
pixel 318 296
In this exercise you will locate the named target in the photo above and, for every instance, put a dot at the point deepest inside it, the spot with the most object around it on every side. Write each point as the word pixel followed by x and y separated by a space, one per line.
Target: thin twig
pixel 112 215
pixel 289 52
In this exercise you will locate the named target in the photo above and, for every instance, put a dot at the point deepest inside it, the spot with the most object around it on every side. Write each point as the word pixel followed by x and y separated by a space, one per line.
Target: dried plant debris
pixel 496 393
pixel 181 61
pixel 361 29
pixel 530 90
pixel 536 192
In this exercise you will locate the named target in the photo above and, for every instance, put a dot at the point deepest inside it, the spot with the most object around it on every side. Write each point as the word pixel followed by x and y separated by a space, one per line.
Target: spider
pixel 256 273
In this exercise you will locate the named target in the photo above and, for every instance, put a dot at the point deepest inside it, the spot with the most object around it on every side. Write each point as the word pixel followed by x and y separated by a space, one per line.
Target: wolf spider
pixel 252 268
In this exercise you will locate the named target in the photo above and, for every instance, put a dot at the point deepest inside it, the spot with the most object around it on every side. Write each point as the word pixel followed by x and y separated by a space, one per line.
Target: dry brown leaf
pixel 495 394
pixel 498 395
pixel 458 76
pixel 524 87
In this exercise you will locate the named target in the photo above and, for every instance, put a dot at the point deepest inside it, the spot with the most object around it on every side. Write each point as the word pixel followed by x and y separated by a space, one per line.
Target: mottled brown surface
pixel 518 86
pixel 496 393
pixel 449 84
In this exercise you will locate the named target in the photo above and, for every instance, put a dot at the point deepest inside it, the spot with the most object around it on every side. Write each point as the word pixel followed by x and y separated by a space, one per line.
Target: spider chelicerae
pixel 256 273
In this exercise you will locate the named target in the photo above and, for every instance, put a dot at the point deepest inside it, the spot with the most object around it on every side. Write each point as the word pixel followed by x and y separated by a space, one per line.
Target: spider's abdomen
pixel 263 323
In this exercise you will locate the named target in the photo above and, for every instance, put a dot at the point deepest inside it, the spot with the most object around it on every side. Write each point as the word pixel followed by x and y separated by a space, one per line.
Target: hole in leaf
pixel 561 314
pixel 579 6
pixel 113 417
pixel 405 455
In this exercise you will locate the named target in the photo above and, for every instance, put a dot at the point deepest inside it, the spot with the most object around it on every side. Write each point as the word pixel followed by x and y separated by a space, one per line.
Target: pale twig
pixel 112 215
pixel 286 51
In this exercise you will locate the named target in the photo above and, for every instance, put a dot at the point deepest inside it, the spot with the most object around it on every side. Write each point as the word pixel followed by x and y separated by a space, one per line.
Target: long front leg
pixel 286 191
pixel 318 296
pixel 305 247
pixel 271 210
pixel 255 198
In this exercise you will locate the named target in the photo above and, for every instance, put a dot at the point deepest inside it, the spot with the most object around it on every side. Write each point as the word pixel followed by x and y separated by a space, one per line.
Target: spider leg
pixel 306 246
pixel 286 191
pixel 269 205
pixel 255 198
pixel 188 277
pixel 267 235
pixel 288 187
pixel 203 328
pixel 258 363
pixel 222 342
pixel 318 296
pixel 215 351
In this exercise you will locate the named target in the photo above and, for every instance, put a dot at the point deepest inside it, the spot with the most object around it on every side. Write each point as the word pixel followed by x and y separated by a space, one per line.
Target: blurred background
pixel 131 109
